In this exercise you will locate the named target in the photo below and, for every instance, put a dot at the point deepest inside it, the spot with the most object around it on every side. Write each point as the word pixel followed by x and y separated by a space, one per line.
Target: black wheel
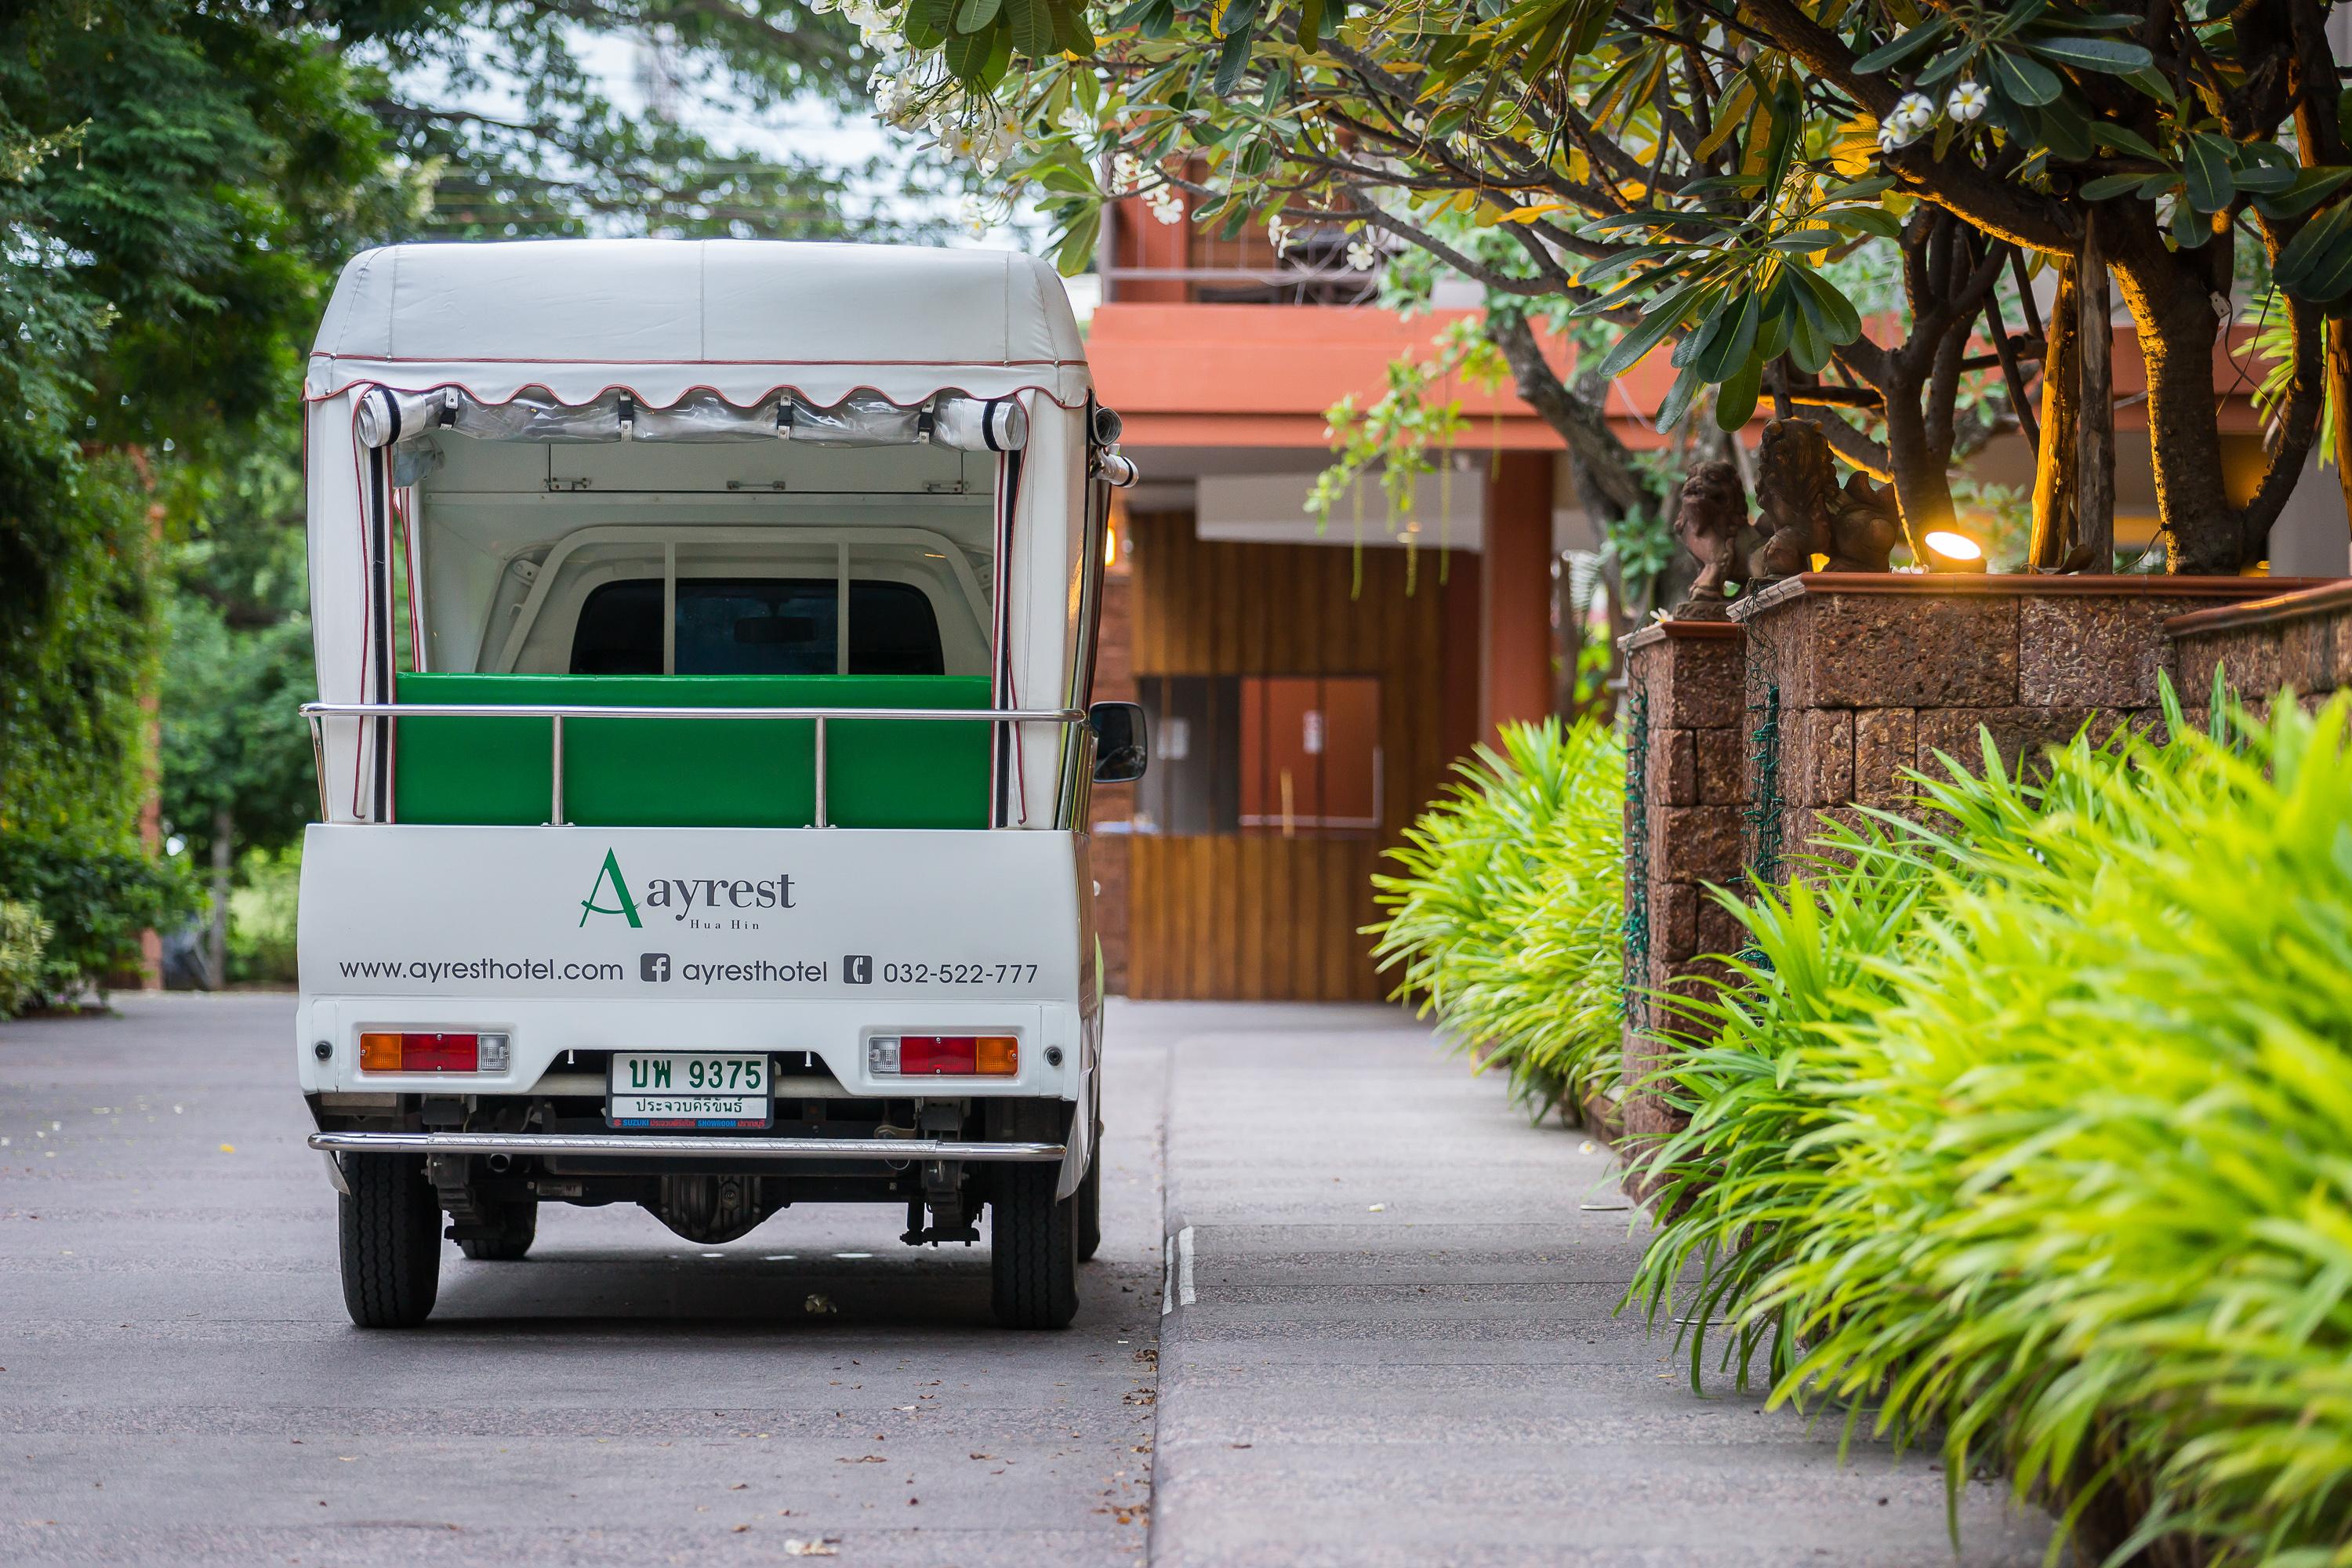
pixel 391 1225
pixel 1088 1199
pixel 517 1224
pixel 1032 1249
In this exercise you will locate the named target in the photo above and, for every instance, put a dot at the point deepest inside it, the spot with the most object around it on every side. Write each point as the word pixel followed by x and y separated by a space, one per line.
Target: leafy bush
pixel 1505 914
pixel 96 902
pixel 22 936
pixel 261 918
pixel 2031 1125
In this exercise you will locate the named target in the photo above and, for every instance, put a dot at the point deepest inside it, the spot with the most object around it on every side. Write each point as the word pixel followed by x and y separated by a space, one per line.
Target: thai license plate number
pixel 688 1088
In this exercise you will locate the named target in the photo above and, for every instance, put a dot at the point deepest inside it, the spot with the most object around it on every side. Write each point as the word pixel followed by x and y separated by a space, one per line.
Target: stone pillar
pixel 1855 678
pixel 1684 786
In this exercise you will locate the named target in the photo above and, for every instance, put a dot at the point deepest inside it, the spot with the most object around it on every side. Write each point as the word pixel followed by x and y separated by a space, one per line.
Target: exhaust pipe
pixel 499 1164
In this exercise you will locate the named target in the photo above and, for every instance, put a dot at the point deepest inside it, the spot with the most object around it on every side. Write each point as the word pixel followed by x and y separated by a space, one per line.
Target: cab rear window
pixel 758 626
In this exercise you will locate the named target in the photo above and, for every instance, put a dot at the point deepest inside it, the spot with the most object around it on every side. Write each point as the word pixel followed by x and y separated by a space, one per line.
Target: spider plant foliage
pixel 1505 910
pixel 2029 1127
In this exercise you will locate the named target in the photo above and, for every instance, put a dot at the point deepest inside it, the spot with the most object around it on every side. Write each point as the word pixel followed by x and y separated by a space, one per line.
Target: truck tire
pixel 391 1230
pixel 518 1226
pixel 1088 1199
pixel 1032 1249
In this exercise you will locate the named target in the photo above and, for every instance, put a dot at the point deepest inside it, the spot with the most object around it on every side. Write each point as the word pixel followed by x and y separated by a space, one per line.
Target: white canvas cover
pixel 668 321
pixel 661 317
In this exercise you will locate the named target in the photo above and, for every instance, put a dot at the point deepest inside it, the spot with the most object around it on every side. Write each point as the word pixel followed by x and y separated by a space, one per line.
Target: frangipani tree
pixel 1688 171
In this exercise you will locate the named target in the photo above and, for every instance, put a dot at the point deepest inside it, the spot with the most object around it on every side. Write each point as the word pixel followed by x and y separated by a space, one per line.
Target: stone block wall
pixel 1854 680
pixel 2299 639
pixel 1685 785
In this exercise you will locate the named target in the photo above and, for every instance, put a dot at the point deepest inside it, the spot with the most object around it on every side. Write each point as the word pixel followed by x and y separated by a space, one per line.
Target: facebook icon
pixel 653 966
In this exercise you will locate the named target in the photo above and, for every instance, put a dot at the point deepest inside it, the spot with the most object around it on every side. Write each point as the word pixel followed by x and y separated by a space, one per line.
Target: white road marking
pixel 1167 1276
pixel 1184 1267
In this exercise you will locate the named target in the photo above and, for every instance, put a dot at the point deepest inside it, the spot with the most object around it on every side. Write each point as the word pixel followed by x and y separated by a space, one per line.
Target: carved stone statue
pixel 1805 513
pixel 1711 522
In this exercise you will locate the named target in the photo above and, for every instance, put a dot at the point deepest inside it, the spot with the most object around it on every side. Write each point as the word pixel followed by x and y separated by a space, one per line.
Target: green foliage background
pixel 1505 910
pixel 180 180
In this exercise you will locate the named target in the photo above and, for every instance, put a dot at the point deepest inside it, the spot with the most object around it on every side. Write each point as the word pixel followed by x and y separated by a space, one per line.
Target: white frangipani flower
pixel 1278 233
pixel 1363 255
pixel 1125 173
pixel 1166 204
pixel 1967 101
pixel 2168 207
pixel 1906 121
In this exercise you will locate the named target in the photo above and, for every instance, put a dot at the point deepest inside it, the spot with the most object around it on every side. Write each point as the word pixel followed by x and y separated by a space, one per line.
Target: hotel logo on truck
pixel 703 903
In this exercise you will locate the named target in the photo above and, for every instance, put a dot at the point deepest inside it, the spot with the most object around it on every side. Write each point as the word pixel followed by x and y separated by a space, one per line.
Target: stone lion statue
pixel 1711 522
pixel 1803 512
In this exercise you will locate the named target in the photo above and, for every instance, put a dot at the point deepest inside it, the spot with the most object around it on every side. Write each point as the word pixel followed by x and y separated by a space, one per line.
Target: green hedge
pixel 2027 1130
pixel 1506 911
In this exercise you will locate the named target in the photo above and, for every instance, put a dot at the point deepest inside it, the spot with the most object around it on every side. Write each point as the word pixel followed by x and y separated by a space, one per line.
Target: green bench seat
pixel 684 773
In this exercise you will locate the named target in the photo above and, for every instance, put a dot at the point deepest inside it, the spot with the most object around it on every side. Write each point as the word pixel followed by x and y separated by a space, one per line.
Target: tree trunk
pixel 2054 464
pixel 216 958
pixel 2094 413
pixel 1923 483
pixel 2170 302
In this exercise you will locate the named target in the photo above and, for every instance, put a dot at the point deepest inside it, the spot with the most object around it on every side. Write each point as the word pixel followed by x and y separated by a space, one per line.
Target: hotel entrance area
pixel 1307 698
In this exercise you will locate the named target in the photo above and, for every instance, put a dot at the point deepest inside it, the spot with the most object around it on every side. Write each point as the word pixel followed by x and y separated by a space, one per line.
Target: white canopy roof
pixel 660 317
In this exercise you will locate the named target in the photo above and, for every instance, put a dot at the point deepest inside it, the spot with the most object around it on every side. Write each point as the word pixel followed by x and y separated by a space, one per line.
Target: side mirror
pixel 1121 748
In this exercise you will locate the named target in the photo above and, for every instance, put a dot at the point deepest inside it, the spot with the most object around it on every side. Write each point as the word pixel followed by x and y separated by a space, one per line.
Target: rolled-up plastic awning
pixel 388 417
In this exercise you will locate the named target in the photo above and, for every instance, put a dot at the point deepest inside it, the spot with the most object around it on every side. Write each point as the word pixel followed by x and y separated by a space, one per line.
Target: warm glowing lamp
pixel 1952 551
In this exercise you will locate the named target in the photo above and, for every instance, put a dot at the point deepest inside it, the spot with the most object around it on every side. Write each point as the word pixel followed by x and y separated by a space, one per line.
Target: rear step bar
pixel 656 1146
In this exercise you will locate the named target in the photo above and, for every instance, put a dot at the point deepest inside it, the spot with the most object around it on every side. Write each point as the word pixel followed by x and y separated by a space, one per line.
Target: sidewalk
pixel 1396 1344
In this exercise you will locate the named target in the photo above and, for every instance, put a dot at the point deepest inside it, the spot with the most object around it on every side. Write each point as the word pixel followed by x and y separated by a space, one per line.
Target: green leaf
pixel 2205 171
pixel 1645 335
pixel 1678 400
pixel 2123 138
pixel 1841 324
pixel 1033 28
pixel 2316 256
pixel 2107 185
pixel 1875 221
pixel 1733 345
pixel 1233 59
pixel 1077 251
pixel 2021 79
pixel 2110 55
pixel 973 15
pixel 1895 52
pixel 2311 187
pixel 1734 402
pixel 1310 22
pixel 1809 349
pixel 929 23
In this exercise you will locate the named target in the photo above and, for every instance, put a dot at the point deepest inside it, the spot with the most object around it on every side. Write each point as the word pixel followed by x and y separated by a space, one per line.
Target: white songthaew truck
pixel 705 637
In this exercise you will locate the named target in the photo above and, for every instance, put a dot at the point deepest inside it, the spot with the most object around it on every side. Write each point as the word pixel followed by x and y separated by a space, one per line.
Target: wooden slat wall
pixel 1259 916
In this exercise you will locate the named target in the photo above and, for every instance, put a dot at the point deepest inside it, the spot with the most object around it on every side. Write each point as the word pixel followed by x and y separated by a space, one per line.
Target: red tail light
pixel 985 1056
pixel 413 1052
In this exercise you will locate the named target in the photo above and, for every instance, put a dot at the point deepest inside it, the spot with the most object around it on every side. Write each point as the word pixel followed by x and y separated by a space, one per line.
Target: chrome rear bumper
pixel 654 1146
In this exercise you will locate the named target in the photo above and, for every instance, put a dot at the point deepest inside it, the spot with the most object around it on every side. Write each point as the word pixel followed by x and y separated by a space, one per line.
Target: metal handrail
pixel 557 713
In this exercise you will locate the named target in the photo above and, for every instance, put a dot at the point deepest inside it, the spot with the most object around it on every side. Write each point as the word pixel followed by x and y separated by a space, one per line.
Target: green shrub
pixel 22 936
pixel 261 918
pixel 2031 1126
pixel 1505 915
pixel 97 902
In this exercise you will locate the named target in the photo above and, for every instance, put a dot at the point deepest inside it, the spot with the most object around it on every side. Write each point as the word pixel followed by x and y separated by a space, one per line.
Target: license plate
pixel 687 1089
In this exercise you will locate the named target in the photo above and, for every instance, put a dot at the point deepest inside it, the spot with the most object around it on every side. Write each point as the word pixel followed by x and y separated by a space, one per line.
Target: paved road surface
pixel 182 1385
pixel 1401 1346
pixel 1392 1343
